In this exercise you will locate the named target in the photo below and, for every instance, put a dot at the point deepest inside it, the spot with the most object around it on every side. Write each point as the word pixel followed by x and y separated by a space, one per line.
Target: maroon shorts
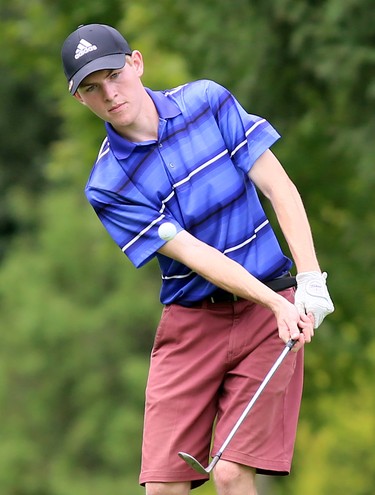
pixel 206 364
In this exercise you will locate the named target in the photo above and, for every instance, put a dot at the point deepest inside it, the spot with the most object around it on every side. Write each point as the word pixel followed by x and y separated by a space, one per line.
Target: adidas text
pixel 83 48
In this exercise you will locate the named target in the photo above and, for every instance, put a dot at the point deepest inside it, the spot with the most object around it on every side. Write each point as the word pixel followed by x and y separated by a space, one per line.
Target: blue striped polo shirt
pixel 195 176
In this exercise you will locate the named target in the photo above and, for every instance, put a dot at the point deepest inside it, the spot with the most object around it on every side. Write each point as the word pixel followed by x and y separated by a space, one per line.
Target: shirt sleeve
pixel 131 221
pixel 247 136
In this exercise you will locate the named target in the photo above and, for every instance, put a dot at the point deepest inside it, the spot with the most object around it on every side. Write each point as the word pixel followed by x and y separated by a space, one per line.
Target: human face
pixel 116 96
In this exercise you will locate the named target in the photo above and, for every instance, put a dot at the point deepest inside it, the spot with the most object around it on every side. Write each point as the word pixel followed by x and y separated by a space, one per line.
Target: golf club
pixel 189 459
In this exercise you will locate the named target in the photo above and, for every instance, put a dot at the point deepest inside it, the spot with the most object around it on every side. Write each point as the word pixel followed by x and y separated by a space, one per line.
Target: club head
pixel 196 465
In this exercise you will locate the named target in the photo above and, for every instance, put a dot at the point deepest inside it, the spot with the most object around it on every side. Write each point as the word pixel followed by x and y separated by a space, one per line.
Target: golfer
pixel 194 158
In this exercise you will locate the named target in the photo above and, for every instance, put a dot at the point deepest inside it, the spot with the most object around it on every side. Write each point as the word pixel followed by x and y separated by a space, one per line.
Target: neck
pixel 145 127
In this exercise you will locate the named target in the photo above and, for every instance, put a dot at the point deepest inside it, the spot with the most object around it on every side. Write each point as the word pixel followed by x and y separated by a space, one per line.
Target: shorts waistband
pixel 222 296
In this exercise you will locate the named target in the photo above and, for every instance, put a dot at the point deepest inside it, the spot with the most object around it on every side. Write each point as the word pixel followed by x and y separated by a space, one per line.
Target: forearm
pixel 270 177
pixel 295 226
pixel 220 270
pixel 292 218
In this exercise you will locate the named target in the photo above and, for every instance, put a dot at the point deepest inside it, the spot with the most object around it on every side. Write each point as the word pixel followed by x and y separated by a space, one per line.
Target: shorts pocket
pixel 163 325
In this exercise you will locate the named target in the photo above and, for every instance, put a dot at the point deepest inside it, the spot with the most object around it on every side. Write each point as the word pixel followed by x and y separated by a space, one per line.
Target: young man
pixel 193 157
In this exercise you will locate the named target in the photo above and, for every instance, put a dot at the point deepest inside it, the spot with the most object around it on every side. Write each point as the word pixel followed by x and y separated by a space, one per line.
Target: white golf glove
pixel 312 296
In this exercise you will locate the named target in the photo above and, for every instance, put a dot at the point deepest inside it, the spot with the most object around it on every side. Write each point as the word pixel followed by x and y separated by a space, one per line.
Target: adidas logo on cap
pixel 83 48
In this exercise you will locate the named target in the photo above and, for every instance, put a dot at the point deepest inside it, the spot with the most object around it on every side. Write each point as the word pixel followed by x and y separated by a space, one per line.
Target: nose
pixel 109 92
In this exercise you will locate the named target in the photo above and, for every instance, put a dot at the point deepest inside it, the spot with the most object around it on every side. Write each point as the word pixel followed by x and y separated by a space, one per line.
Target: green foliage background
pixel 77 320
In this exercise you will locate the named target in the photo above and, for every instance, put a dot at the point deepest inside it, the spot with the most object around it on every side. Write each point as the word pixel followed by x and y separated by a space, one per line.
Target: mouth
pixel 116 108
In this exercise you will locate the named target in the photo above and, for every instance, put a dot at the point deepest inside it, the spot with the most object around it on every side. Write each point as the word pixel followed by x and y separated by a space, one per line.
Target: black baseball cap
pixel 90 48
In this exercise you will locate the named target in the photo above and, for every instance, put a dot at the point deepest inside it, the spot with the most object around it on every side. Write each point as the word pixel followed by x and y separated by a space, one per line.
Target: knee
pixel 229 476
pixel 168 488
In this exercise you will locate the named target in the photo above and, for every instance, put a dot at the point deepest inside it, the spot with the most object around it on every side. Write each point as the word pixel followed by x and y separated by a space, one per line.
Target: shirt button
pixel 160 145
pixel 171 165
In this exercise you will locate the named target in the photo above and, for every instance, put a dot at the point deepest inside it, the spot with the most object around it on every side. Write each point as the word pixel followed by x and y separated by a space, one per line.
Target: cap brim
pixel 116 61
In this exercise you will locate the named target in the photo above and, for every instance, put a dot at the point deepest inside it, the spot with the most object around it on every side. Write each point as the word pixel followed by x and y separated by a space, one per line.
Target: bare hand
pixel 292 325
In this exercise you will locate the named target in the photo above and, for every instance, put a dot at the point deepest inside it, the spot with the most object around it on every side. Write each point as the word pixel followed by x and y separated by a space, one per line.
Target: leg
pixel 266 438
pixel 234 479
pixel 182 488
pixel 185 375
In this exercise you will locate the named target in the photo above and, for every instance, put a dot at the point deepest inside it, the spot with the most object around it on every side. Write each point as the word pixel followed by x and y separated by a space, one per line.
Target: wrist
pixel 276 303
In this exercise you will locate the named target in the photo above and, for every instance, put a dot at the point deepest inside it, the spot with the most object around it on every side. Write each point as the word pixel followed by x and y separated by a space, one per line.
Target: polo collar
pixel 166 108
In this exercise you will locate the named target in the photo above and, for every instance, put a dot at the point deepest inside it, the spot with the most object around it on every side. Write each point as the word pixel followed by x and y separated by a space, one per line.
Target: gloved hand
pixel 312 296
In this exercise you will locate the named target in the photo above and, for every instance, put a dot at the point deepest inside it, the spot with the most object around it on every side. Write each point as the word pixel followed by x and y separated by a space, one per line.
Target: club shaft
pixel 268 377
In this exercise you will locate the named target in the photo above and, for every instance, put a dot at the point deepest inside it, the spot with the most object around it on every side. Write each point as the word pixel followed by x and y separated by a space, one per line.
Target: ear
pixel 78 97
pixel 137 62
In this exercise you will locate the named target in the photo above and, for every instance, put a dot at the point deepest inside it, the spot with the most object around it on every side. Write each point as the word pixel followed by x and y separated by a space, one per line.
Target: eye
pixel 90 89
pixel 114 75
